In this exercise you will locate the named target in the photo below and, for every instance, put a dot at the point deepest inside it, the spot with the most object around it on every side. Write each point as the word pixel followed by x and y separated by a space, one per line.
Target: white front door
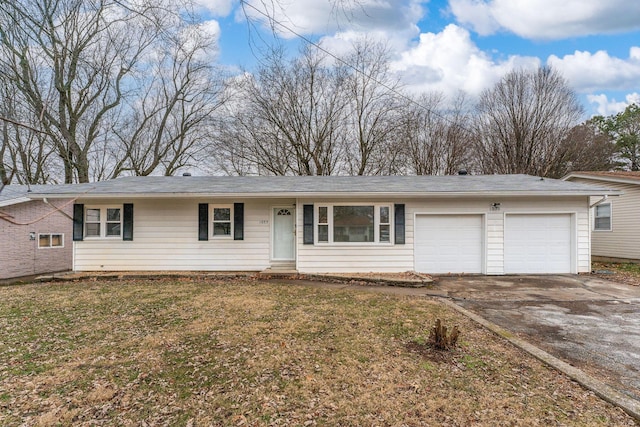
pixel 283 233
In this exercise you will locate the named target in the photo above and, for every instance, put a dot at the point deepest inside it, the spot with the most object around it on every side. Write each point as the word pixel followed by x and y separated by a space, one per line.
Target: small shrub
pixel 439 339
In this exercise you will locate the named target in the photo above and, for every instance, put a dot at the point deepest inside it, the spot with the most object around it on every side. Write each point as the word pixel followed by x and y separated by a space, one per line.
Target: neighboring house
pixel 615 222
pixel 491 224
pixel 35 237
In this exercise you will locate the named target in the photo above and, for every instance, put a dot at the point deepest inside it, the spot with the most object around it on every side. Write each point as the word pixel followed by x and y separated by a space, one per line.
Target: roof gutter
pixel 343 194
pixel 620 180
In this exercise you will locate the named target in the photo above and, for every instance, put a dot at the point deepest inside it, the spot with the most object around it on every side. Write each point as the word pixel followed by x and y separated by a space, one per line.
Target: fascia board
pixel 620 180
pixel 394 195
pixel 15 201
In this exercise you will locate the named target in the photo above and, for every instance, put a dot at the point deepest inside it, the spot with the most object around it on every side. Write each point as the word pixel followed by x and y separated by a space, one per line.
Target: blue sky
pixel 453 45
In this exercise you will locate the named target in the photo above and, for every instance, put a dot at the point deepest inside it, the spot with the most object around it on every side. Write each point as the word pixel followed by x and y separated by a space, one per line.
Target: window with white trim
pixel 103 221
pixel 602 217
pixel 323 224
pixel 222 221
pixel 353 223
pixel 50 240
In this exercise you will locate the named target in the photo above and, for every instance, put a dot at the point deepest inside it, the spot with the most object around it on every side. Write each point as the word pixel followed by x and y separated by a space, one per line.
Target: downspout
pixel 604 198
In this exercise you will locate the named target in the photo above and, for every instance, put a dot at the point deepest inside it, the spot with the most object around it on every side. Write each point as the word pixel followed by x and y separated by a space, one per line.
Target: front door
pixel 283 233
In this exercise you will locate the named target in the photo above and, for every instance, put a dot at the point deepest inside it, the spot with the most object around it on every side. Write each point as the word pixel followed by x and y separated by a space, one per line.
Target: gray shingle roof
pixel 11 194
pixel 298 186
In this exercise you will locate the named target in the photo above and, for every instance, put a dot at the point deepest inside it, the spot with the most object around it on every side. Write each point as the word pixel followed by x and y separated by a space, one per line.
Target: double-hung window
pixel 342 223
pixel 602 217
pixel 103 222
pixel 222 221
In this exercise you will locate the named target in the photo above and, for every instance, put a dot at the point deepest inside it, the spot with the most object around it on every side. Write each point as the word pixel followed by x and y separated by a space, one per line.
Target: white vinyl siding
pixel 166 238
pixel 399 258
pixel 622 241
pixel 353 257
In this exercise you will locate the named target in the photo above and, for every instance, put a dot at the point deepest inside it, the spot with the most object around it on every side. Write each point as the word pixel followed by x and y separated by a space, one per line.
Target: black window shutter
pixel 127 221
pixel 238 221
pixel 307 222
pixel 78 222
pixel 203 221
pixel 399 224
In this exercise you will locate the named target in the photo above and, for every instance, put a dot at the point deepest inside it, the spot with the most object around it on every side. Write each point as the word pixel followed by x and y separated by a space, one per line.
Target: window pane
pixel 384 233
pixel 56 240
pixel 322 215
pixel 323 233
pixel 603 217
pixel 93 215
pixel 93 229
pixel 43 241
pixel 603 210
pixel 384 214
pixel 113 215
pixel 603 223
pixel 113 229
pixel 222 229
pixel 221 214
pixel 353 223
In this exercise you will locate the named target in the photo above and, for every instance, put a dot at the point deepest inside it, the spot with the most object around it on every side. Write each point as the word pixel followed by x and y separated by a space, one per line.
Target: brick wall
pixel 21 256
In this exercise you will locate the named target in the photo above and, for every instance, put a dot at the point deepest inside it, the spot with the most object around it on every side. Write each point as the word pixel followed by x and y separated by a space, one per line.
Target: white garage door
pixel 448 243
pixel 537 244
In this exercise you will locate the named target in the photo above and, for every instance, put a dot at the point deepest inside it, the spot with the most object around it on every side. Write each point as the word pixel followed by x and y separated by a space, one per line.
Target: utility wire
pixel 273 21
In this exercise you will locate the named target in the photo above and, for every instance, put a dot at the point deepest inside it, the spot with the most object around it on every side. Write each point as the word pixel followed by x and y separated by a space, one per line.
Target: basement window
pixel 51 240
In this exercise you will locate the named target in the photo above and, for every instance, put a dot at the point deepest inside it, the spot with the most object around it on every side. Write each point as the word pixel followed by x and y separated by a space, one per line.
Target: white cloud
pixel 216 7
pixel 607 107
pixel 449 62
pixel 547 19
pixel 203 37
pixel 328 17
pixel 590 72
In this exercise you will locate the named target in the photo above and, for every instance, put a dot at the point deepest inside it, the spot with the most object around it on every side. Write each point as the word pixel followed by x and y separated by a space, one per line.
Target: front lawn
pixel 242 352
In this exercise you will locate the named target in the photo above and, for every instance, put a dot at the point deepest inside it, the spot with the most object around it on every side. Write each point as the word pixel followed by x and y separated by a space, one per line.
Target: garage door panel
pixel 537 244
pixel 449 243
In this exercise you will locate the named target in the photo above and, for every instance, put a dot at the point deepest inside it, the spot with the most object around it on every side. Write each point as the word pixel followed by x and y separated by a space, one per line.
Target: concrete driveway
pixel 590 323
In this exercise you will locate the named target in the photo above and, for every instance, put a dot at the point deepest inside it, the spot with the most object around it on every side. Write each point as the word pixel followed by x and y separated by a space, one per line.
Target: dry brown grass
pixel 188 352
pixel 627 273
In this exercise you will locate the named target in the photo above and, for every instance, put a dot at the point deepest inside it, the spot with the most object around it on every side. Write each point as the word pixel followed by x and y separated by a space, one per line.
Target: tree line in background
pixel 95 90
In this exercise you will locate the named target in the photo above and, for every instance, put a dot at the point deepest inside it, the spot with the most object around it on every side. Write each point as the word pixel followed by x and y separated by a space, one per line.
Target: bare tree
pixel 288 119
pixel 434 139
pixel 77 66
pixel 25 153
pixel 522 122
pixel 375 110
pixel 170 120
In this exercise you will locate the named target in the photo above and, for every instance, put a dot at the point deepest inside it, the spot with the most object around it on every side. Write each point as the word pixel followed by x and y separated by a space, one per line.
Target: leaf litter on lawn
pixel 242 352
